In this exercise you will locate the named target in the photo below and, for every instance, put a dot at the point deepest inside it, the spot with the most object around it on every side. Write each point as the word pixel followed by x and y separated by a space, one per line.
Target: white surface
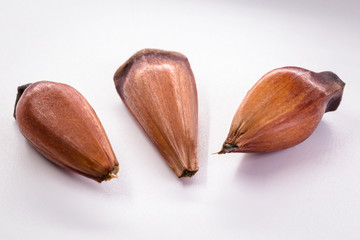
pixel 310 191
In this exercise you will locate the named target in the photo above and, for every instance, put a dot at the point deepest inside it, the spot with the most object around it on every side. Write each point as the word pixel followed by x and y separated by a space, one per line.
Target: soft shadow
pixel 255 166
pixel 43 190
pixel 76 179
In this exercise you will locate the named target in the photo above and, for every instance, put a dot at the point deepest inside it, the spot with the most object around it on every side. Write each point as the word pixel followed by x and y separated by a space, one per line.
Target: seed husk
pixel 282 109
pixel 158 88
pixel 60 124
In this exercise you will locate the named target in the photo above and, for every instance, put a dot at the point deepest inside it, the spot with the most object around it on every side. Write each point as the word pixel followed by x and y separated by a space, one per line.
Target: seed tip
pixel 20 91
pixel 228 148
pixel 111 174
pixel 188 173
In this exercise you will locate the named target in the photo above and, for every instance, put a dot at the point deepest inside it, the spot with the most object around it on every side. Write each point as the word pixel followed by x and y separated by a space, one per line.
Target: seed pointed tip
pixel 111 174
pixel 188 173
pixel 228 148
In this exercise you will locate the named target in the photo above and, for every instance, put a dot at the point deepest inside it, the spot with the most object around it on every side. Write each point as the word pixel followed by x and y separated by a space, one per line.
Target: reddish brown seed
pixel 60 124
pixel 158 88
pixel 282 110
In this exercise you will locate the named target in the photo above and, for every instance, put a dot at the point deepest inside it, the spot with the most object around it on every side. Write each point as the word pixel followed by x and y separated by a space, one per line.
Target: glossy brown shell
pixel 282 109
pixel 158 88
pixel 60 124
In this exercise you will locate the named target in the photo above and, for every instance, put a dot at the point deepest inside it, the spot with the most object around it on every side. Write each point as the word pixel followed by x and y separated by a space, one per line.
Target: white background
pixel 311 191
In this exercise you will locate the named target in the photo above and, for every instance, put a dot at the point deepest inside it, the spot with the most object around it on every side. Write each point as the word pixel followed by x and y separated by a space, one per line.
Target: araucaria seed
pixel 158 88
pixel 282 110
pixel 61 125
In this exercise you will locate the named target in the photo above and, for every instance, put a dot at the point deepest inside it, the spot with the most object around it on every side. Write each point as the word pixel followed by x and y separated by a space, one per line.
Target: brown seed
pixel 60 124
pixel 158 88
pixel 282 110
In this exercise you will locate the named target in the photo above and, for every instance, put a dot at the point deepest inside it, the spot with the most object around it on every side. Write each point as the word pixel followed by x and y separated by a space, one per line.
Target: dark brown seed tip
pixel 20 91
pixel 188 173
pixel 228 148
pixel 111 174
pixel 337 86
